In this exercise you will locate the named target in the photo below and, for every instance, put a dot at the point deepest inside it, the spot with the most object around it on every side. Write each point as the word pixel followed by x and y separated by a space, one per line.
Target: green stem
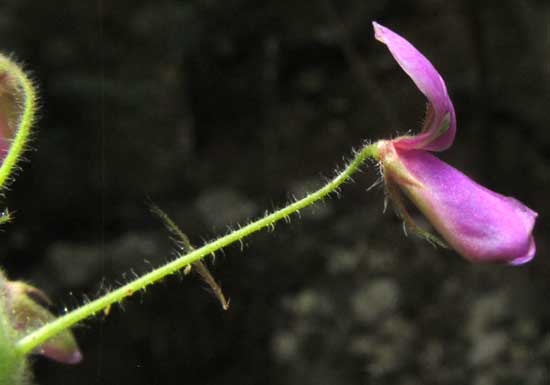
pixel 26 97
pixel 29 342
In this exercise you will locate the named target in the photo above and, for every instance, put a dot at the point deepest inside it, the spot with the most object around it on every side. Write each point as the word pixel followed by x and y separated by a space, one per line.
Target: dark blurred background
pixel 217 110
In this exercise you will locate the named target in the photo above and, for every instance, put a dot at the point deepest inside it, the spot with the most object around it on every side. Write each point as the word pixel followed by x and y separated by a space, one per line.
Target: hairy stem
pixel 21 88
pixel 29 342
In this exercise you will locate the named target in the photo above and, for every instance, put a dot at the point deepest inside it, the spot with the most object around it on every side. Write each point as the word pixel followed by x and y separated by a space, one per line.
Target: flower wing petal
pixel 478 223
pixel 440 125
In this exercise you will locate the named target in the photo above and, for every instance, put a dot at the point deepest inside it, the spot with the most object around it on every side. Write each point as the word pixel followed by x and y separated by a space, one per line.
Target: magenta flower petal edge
pixel 481 225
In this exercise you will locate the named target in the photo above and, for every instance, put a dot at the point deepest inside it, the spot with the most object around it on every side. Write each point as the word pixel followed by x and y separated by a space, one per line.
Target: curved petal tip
pixel 527 257
pixel 65 355
pixel 440 125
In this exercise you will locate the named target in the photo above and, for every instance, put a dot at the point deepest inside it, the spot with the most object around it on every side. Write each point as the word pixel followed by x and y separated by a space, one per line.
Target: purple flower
pixel 479 224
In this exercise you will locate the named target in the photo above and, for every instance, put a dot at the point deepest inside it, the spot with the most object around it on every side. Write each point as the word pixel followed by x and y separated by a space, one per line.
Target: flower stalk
pixel 26 344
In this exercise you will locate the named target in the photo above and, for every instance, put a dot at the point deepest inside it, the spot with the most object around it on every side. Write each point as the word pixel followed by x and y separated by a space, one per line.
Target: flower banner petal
pixel 440 124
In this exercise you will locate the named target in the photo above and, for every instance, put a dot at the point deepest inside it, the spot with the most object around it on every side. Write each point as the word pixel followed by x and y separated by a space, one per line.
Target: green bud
pixel 21 312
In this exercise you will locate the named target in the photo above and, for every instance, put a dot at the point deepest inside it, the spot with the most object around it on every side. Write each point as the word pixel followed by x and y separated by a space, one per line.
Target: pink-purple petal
pixel 61 350
pixel 431 84
pixel 478 223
